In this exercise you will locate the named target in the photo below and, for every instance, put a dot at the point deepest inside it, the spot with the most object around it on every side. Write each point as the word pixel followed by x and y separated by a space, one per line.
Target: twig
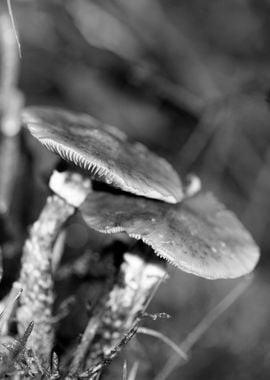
pixel 165 339
pixel 9 56
pixel 9 309
pixel 14 28
pixel 95 370
pixel 133 372
pixel 87 338
pixel 11 102
pixel 154 291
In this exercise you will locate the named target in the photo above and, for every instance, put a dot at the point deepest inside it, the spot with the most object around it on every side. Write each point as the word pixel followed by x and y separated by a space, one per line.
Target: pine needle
pixel 6 314
pixel 133 372
pixel 165 339
pixel 14 28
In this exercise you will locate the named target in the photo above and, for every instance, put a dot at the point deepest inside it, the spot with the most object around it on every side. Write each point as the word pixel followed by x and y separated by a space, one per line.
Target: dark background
pixel 191 80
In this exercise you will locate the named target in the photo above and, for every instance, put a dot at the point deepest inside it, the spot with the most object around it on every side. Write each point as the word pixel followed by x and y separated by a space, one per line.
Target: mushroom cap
pixel 198 235
pixel 105 152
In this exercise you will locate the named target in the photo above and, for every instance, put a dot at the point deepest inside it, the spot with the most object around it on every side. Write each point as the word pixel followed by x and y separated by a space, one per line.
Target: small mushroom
pixel 137 281
pixel 36 275
pixel 105 152
pixel 198 235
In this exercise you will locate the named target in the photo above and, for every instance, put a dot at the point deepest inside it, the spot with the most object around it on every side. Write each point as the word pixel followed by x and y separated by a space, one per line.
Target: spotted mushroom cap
pixel 105 152
pixel 199 235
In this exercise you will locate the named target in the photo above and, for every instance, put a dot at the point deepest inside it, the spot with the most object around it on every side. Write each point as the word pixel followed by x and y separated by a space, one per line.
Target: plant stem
pixel 36 276
pixel 128 298
pixel 11 101
pixel 8 307
pixel 9 54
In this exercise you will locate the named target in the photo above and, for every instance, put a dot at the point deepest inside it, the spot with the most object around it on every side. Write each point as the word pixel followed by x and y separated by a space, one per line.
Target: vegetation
pixel 95 209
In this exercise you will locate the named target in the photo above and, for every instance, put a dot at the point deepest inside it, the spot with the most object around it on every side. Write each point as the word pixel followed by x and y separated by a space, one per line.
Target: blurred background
pixel 191 80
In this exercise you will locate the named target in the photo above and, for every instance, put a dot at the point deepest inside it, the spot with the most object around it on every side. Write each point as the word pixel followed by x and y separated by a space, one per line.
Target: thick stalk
pixel 36 277
pixel 127 299
pixel 36 274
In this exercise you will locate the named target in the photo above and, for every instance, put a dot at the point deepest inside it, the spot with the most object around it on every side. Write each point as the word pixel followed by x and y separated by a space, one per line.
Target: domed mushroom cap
pixel 105 152
pixel 198 235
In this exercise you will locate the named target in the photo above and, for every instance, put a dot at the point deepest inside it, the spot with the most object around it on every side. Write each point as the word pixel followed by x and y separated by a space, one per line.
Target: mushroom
pixel 198 235
pixel 106 154
pixel 36 278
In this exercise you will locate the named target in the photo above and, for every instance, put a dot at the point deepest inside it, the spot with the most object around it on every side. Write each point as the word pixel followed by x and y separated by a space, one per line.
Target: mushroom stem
pixel 36 276
pixel 192 186
pixel 128 298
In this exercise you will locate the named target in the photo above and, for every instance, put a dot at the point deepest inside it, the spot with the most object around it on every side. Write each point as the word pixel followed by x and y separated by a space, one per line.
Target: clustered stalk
pixel 36 276
pixel 128 298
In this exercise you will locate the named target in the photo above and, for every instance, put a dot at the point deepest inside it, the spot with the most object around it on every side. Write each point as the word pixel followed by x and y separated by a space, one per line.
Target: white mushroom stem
pixel 128 298
pixel 36 277
pixel 193 185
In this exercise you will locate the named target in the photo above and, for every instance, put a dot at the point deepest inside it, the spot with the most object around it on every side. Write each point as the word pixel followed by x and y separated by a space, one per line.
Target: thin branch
pixel 14 28
pixel 9 308
pixel 107 359
pixel 87 338
pixel 133 372
pixel 165 339
pixel 154 291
